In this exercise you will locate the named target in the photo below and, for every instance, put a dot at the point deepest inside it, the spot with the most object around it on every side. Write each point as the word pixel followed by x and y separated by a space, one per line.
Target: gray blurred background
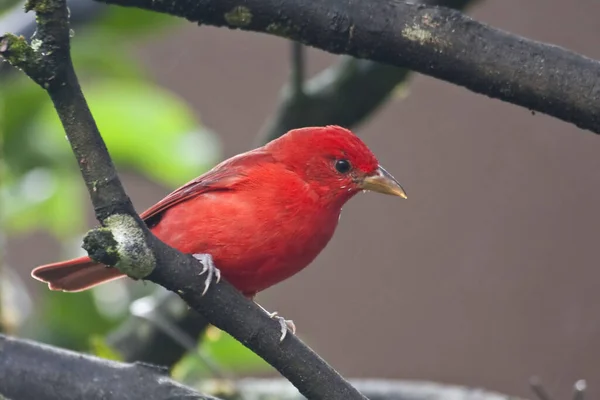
pixel 486 276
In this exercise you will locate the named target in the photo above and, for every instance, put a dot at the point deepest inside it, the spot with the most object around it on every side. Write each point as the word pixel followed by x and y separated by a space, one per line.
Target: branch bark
pixel 374 389
pixel 126 243
pixel 31 370
pixel 435 41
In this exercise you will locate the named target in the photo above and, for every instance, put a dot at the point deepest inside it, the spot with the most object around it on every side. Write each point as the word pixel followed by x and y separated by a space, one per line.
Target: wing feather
pixel 224 176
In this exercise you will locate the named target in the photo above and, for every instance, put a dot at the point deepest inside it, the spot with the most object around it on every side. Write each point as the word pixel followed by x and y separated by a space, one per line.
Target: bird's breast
pixel 257 239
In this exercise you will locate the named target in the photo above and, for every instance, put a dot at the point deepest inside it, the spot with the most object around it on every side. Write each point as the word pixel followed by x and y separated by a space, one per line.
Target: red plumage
pixel 263 215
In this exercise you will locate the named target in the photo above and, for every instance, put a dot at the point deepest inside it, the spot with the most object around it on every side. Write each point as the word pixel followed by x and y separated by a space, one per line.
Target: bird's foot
pixel 284 324
pixel 208 266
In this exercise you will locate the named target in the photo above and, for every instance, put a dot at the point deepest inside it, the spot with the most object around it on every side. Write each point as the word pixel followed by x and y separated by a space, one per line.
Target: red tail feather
pixel 75 275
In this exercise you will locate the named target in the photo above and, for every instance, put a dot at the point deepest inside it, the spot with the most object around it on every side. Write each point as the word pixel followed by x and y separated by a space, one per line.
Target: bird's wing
pixel 222 177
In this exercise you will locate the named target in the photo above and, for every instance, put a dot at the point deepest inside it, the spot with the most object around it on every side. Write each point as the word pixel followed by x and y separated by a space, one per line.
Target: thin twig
pixel 538 388
pixel 298 68
pixel 579 389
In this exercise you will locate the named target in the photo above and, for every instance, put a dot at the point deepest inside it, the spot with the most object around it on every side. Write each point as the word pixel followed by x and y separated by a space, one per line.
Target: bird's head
pixel 335 162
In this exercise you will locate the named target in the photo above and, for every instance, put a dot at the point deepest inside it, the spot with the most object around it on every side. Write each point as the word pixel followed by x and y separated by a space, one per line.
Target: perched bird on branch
pixel 260 217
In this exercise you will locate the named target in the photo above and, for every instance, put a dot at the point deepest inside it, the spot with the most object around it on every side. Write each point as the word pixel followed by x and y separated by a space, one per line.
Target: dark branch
pixel 298 69
pixel 538 389
pixel 125 242
pixel 345 94
pixel 435 41
pixel 31 370
pixel 374 389
pixel 579 389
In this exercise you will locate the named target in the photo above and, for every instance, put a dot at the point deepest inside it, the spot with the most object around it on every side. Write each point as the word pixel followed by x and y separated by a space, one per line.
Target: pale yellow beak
pixel 383 182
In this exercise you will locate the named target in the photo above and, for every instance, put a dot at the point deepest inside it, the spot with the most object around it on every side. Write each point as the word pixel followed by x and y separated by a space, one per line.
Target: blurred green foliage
pixel 229 354
pixel 148 130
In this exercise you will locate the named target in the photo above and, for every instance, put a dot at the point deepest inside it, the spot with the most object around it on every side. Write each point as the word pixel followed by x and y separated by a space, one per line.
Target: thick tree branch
pixel 435 41
pixel 126 243
pixel 31 370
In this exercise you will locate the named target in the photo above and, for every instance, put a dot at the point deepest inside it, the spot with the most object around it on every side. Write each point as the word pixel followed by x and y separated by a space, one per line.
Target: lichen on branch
pixel 25 57
pixel 120 243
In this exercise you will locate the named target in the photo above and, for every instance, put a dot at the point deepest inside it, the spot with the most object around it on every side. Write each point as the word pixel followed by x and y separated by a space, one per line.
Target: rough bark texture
pixel 374 389
pixel 436 41
pixel 30 370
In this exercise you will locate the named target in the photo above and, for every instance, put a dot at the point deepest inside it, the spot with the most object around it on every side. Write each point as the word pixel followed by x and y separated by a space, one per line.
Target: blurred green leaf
pixel 145 128
pixel 225 351
pixel 21 100
pixel 70 319
pixel 231 354
pixel 127 21
pixel 44 198
pixel 8 5
pixel 100 348
pixel 102 54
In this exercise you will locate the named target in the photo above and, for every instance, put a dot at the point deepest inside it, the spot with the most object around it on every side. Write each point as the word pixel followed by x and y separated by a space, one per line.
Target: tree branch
pixel 344 94
pixel 374 389
pixel 126 243
pixel 31 370
pixel 435 41
pixel 22 24
pixel 298 68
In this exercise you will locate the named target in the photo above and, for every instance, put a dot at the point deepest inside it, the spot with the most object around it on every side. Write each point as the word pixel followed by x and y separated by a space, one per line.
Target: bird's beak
pixel 383 182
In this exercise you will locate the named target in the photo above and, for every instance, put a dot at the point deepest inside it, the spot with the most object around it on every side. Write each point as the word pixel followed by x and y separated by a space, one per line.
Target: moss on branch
pixel 101 246
pixel 121 244
pixel 25 57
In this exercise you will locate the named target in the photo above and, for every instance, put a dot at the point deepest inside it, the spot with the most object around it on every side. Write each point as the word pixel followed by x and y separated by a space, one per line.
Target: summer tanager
pixel 261 216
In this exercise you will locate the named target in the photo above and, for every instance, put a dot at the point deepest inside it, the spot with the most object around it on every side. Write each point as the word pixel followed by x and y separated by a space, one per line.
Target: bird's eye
pixel 342 166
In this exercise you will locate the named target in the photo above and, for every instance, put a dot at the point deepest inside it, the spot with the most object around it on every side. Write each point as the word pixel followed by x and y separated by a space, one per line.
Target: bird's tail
pixel 75 275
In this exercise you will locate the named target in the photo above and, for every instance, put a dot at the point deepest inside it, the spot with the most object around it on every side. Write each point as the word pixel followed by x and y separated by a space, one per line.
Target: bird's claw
pixel 208 266
pixel 285 324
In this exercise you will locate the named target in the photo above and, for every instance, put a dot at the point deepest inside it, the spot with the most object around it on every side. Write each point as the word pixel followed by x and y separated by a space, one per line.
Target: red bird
pixel 261 216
